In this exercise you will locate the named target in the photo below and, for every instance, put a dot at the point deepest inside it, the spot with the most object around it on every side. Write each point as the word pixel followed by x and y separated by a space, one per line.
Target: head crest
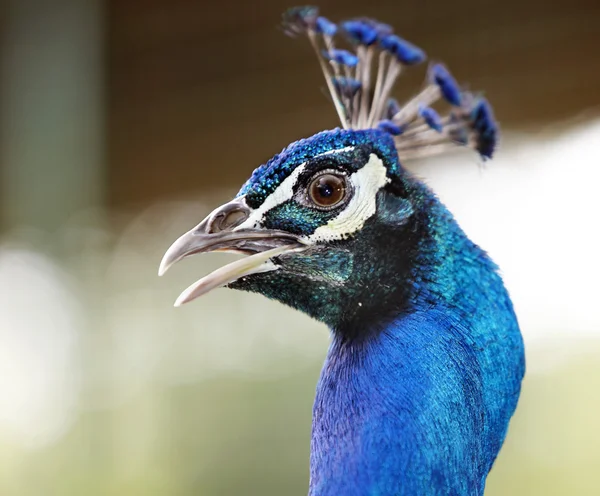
pixel 364 102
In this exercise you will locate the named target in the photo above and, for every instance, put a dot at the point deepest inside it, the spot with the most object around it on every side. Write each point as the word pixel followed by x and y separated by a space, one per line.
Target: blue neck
pixel 422 405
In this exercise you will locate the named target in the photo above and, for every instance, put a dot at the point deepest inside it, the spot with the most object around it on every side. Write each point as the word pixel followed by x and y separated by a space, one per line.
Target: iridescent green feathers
pixel 361 75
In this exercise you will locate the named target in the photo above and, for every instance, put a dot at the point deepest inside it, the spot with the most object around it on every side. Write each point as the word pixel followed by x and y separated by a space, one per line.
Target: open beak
pixel 223 230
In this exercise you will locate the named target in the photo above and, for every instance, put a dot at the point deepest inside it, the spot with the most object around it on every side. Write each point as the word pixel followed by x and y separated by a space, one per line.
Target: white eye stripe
pixel 367 181
pixel 283 192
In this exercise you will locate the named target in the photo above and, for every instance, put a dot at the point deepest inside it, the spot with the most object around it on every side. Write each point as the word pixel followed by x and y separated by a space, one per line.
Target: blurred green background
pixel 123 122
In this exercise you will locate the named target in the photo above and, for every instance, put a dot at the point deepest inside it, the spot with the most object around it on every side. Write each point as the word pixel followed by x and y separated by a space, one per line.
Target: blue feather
pixel 380 28
pixel 390 127
pixel 359 31
pixel 343 57
pixel 403 50
pixel 432 118
pixel 448 85
pixel 298 20
pixel 325 26
pixel 484 123
pixel 346 86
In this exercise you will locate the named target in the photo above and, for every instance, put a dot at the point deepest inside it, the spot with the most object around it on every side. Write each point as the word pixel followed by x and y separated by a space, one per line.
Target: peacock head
pixel 333 225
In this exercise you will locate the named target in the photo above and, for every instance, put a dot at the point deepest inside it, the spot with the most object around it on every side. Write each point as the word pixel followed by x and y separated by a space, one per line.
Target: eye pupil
pixel 327 190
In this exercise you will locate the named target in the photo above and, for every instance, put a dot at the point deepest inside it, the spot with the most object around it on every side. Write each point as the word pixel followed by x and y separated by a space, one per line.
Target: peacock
pixel 426 359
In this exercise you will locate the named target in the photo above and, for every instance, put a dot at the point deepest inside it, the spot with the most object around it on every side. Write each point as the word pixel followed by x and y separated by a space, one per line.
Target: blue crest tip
pixel 325 26
pixel 484 123
pixel 390 127
pixel 447 84
pixel 346 86
pixel 359 31
pixel 381 28
pixel 298 20
pixel 343 57
pixel 471 122
pixel 403 50
pixel 431 118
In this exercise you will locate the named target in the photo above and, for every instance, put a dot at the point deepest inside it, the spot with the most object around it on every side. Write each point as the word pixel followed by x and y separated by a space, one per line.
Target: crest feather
pixel 361 76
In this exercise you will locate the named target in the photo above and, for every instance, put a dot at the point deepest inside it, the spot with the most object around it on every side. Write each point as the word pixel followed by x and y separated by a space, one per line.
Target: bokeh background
pixel 123 122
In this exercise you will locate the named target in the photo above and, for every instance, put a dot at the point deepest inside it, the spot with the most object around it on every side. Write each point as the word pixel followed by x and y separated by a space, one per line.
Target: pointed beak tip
pixel 162 269
pixel 180 301
pixel 166 263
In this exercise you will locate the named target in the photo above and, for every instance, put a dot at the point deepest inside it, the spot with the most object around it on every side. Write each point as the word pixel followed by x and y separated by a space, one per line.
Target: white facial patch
pixel 367 181
pixel 283 193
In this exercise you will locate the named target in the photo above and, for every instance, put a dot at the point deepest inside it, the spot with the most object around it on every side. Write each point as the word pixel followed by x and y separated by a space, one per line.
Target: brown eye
pixel 327 190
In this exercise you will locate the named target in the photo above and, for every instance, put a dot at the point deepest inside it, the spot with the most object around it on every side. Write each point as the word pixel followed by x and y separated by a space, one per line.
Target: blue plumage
pixel 447 84
pixel 427 398
pixel 431 118
pixel 346 87
pixel 403 50
pixel 389 127
pixel 425 365
pixel 360 31
pixel 325 26
pixel 482 117
pixel 343 57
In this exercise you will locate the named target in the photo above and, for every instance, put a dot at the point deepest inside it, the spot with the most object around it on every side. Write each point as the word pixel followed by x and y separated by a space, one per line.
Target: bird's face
pixel 317 222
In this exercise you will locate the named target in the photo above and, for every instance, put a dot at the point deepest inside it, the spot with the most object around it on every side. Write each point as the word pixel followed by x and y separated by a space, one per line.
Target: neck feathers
pixel 420 403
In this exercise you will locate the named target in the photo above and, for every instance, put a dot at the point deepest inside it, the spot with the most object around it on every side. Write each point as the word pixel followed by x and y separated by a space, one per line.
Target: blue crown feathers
pixel 364 103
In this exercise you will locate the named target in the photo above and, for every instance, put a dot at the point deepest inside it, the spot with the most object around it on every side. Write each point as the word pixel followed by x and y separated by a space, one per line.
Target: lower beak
pixel 223 230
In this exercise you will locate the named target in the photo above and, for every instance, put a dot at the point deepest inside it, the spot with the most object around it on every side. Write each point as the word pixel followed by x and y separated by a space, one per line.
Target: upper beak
pixel 223 230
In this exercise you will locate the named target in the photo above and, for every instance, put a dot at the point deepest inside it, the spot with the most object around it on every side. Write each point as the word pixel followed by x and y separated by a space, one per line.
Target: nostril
pixel 225 218
pixel 225 221
pixel 233 219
